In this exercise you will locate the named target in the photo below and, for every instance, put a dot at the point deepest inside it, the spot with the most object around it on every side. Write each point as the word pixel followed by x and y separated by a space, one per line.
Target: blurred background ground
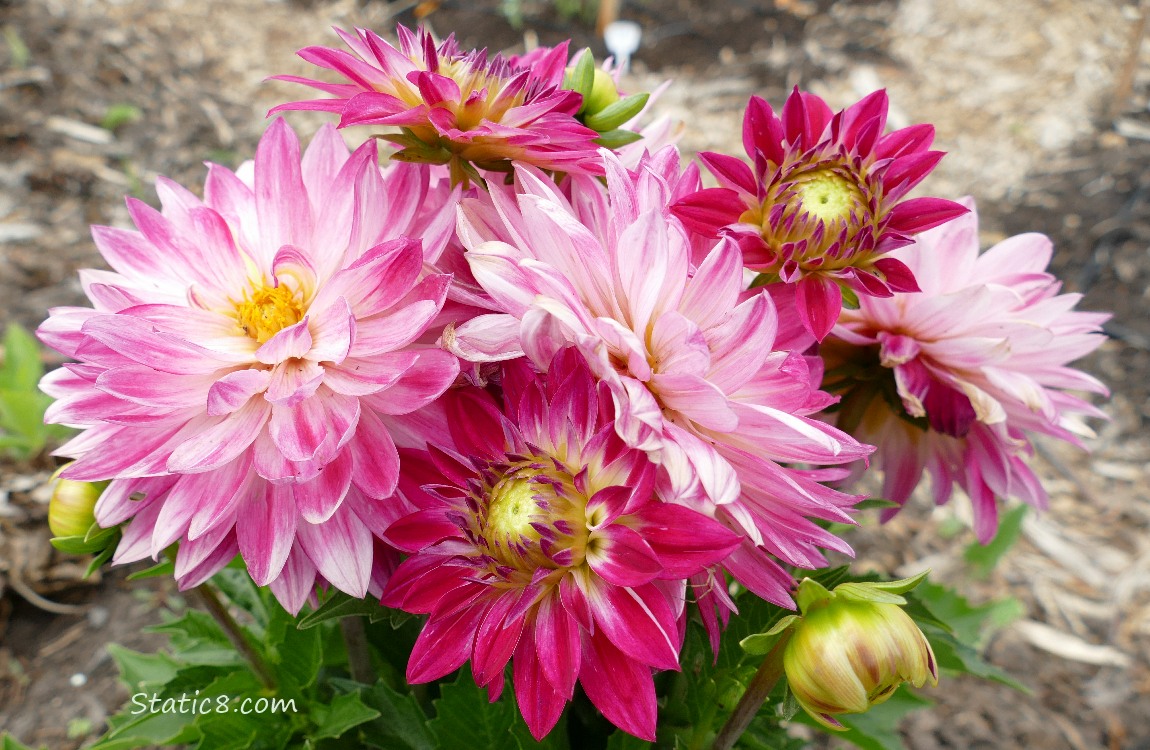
pixel 1042 105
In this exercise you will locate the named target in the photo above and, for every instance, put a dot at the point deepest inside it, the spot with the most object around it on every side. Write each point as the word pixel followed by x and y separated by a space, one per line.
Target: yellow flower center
pixel 268 310
pixel 513 508
pixel 828 195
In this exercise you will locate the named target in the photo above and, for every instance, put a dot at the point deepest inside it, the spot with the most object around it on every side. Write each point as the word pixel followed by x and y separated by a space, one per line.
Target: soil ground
pixel 1042 104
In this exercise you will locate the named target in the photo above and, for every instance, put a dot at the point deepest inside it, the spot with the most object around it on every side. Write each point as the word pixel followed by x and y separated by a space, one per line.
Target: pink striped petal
pixel 265 530
pixel 341 549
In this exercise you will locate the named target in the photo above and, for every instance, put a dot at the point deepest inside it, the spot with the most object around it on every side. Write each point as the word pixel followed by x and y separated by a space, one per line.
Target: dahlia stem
pixel 358 657
pixel 232 630
pixel 756 694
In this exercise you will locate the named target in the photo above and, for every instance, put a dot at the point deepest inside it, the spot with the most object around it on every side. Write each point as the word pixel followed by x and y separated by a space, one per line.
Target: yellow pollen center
pixel 828 195
pixel 267 311
pixel 513 507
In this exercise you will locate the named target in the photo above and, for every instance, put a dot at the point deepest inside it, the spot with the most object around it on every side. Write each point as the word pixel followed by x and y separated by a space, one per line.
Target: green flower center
pixel 828 195
pixel 513 507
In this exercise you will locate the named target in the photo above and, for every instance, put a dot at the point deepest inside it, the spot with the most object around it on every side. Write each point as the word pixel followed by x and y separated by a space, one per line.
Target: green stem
pixel 358 656
pixel 756 694
pixel 235 634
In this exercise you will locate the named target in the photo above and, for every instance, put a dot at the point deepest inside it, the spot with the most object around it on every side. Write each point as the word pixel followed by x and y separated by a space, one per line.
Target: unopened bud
pixel 853 647
pixel 603 94
pixel 71 511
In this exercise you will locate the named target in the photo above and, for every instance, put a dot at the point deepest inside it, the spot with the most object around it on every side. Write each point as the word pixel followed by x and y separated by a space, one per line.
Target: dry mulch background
pixel 1042 104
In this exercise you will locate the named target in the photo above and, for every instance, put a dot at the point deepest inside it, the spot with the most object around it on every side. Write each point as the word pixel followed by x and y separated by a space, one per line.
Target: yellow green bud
pixel 71 511
pixel 603 93
pixel 852 648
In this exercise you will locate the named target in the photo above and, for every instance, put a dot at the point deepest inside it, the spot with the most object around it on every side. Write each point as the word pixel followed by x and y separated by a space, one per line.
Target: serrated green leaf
pixel 401 724
pixel 345 712
pixel 984 557
pixel 464 718
pixel 614 115
pixel 235 583
pixel 141 671
pixel 614 139
pixel 970 624
pixel 147 729
pixel 295 654
pixel 197 639
pixel 340 605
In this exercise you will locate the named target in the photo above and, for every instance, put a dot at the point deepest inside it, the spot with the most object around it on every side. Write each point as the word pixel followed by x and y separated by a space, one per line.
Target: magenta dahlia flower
pixel 688 357
pixel 823 206
pixel 953 380
pixel 454 107
pixel 239 370
pixel 545 544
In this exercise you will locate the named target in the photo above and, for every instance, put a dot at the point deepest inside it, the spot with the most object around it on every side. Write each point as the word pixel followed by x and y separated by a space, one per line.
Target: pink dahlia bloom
pixel 454 107
pixel 953 380
pixel 687 353
pixel 545 544
pixel 241 369
pixel 824 203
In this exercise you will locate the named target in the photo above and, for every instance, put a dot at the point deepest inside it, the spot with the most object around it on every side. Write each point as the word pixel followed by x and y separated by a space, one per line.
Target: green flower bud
pixel 71 509
pixel 852 648
pixel 603 93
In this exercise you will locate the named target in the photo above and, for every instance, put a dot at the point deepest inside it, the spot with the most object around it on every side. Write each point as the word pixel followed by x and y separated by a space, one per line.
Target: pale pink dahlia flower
pixel 545 544
pixel 239 371
pixel 454 107
pixel 954 379
pixel 686 353
pixel 823 205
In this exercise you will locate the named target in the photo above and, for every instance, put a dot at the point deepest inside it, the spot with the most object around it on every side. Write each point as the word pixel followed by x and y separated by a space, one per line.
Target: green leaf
pixel 197 639
pixel 614 139
pixel 620 740
pixel 294 654
pixel 614 115
pixel 877 729
pixel 147 729
pixel 100 559
pixel 162 569
pixel 8 742
pixel 73 545
pixel 984 557
pixel 850 298
pixel 876 503
pixel 118 115
pixel 345 712
pixel 581 77
pixel 464 718
pixel 235 583
pixel 341 605
pixel 22 367
pixel 140 671
pixel 401 724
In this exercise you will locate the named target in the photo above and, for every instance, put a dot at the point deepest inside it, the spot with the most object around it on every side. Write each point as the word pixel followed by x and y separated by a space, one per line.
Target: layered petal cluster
pixel 823 204
pixel 546 545
pixel 241 367
pixel 953 380
pixel 687 353
pixel 455 107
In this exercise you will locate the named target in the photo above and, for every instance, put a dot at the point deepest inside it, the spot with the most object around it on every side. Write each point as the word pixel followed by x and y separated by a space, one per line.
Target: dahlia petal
pixel 639 621
pixel 496 638
pixel 300 431
pixel 281 197
pixel 428 377
pixel 919 214
pixel 445 643
pixel 135 340
pixel 558 644
pixel 216 445
pixel 295 583
pixel 422 529
pixel 709 210
pixel 294 380
pixel 684 540
pixel 234 390
pixel 265 530
pixel 621 556
pixel 292 342
pixel 731 173
pixel 217 507
pixel 362 376
pixel 376 468
pixel 619 686
pixel 341 549
pixel 540 703
pixel 819 302
pixel 319 498
pixel 211 552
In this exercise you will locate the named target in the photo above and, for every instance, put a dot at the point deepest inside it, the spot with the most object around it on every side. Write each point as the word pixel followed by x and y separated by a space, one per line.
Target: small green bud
pixel 603 93
pixel 71 511
pixel 851 650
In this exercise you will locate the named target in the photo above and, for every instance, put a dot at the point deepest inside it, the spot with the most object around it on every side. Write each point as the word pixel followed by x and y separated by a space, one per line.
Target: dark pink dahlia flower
pixel 547 545
pixel 824 203
pixel 454 107
pixel 240 369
